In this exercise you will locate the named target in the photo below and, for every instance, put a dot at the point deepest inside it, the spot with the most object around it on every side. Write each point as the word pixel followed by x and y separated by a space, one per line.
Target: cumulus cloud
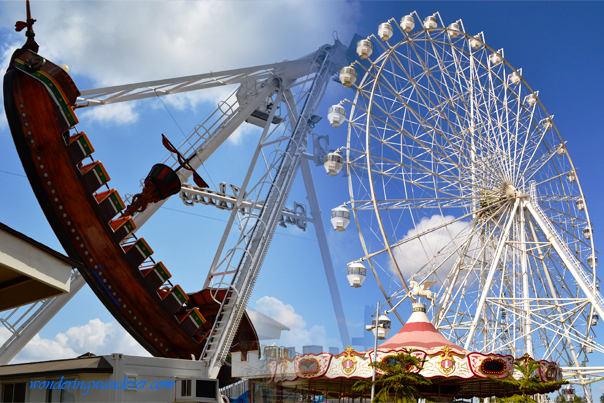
pixel 114 114
pixel 241 132
pixel 126 42
pixel 433 246
pixel 95 336
pixel 299 335
pixel 112 43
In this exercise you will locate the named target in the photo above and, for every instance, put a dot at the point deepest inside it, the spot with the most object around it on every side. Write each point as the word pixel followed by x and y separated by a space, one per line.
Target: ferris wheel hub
pixel 510 191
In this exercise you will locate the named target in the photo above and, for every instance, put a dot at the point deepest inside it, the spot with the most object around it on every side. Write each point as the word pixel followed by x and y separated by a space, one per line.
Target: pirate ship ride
pixel 91 220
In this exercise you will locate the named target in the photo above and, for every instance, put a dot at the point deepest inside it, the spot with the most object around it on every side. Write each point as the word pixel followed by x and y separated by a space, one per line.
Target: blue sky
pixel 559 45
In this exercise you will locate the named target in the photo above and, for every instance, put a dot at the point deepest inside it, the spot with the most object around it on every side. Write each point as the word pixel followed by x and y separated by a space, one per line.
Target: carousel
pixel 454 372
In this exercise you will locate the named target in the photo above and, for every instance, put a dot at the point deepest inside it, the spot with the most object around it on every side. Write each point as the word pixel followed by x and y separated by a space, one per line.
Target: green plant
pixel 397 383
pixel 528 385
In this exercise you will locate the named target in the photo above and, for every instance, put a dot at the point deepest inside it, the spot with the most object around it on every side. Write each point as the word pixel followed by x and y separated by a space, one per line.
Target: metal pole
pixel 377 325
pixel 528 338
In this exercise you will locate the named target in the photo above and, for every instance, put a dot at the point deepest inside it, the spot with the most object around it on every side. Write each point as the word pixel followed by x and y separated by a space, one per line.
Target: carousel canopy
pixel 454 372
pixel 418 333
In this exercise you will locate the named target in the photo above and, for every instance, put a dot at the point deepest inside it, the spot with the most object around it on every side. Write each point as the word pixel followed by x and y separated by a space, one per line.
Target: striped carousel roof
pixel 419 333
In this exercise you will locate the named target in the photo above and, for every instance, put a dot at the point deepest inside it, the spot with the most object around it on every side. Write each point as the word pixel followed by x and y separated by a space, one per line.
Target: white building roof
pixel 266 327
pixel 30 271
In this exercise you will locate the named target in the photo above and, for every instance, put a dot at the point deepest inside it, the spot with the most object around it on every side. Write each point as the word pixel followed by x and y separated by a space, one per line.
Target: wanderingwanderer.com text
pixel 85 386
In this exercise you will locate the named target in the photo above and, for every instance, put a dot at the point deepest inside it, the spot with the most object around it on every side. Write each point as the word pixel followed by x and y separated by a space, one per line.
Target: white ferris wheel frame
pixel 536 234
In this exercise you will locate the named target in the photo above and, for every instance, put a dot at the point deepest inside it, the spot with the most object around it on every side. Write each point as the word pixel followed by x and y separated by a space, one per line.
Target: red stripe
pixel 415 344
pixel 418 327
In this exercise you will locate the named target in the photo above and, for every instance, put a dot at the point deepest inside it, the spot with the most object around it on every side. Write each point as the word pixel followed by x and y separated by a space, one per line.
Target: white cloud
pixel 96 337
pixel 6 51
pixel 126 42
pixel 114 114
pixel 413 255
pixel 299 335
pixel 241 132
pixel 111 43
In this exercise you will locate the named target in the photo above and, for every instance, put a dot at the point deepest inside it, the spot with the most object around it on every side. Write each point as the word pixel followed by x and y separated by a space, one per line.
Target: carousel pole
pixel 375 328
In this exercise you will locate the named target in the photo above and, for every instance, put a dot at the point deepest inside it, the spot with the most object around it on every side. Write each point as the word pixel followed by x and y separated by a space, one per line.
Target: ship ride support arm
pixel 37 320
pixel 256 246
pixel 156 88
pixel 212 145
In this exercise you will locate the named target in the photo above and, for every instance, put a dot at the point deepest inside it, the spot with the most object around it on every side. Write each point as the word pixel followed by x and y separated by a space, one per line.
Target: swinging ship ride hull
pixel 39 98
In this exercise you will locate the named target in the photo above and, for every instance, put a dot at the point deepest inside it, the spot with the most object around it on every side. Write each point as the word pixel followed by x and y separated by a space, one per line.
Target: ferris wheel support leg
pixel 33 326
pixel 216 141
pixel 315 212
pixel 566 260
pixel 569 344
pixel 492 270
pixel 528 337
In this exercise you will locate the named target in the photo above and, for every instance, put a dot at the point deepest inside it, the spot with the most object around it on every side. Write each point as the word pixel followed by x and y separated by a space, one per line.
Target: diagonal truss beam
pixel 131 92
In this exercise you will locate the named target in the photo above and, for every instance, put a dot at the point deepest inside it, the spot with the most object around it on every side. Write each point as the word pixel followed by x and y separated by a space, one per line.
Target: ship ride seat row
pixel 138 251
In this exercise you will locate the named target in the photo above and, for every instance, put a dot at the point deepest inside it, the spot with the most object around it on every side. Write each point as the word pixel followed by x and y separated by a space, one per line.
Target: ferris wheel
pixel 458 176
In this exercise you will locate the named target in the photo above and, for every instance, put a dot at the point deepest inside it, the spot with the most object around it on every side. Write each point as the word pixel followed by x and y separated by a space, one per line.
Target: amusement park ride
pixel 449 152
pixel 96 228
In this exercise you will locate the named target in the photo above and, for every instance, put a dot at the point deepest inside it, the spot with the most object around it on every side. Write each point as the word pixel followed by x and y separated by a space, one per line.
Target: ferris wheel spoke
pixel 553 178
pixel 392 90
pixel 425 101
pixel 380 163
pixel 446 301
pixel 417 203
pixel 535 167
pixel 444 254
pixel 428 231
pixel 418 181
pixel 467 127
pixel 448 286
